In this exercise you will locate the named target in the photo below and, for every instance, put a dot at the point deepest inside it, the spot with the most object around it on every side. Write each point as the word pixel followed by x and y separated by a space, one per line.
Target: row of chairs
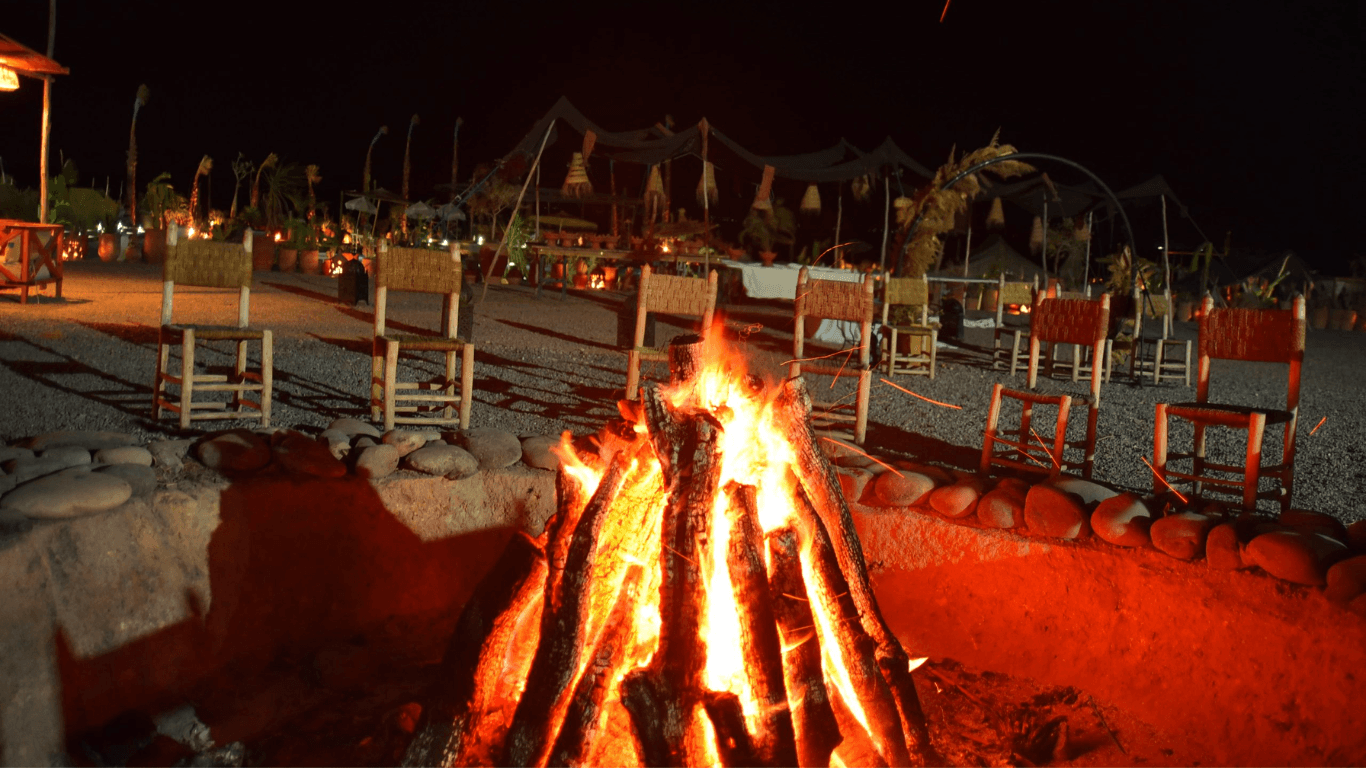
pixel 442 400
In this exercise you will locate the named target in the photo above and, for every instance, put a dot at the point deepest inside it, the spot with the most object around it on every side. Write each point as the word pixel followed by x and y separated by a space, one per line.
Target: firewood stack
pixel 669 615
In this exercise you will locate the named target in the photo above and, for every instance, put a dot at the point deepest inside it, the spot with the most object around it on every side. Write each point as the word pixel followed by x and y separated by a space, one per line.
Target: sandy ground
pixel 548 364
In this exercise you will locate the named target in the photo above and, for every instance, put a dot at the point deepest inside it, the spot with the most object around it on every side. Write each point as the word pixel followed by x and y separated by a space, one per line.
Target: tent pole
pixel 538 202
pixel 1166 249
pixel 1086 274
pixel 839 217
pixel 886 219
pixel 1043 251
pixel 612 174
pixel 47 115
pixel 535 166
pixel 967 246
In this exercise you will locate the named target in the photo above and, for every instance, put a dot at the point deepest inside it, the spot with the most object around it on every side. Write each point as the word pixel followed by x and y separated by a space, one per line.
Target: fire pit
pixel 700 597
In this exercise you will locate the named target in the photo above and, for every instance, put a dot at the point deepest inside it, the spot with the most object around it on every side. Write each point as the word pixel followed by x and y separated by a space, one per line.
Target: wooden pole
pixel 886 220
pixel 1043 250
pixel 967 249
pixel 1166 247
pixel 455 159
pixel 47 115
pixel 535 166
pixel 1086 275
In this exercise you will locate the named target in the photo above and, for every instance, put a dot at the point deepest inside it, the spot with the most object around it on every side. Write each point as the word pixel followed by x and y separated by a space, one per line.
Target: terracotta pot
pixel 581 281
pixel 767 257
pixel 289 259
pixel 154 246
pixel 557 270
pixel 1342 319
pixel 609 277
pixel 132 248
pixel 309 262
pixel 580 268
pixel 262 252
pixel 109 247
pixel 514 276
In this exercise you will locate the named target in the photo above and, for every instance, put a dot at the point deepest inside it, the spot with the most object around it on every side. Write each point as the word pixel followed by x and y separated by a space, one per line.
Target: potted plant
pixel 159 202
pixel 288 253
pixel 305 240
pixel 764 229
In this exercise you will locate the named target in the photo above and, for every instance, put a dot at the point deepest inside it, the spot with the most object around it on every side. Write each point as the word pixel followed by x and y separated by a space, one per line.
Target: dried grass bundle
pixel 707 185
pixel 654 193
pixel 576 182
pixel 811 201
pixel 996 217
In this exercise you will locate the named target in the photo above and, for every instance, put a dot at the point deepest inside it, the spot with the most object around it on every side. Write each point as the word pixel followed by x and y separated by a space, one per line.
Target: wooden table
pixel 33 256
pixel 564 254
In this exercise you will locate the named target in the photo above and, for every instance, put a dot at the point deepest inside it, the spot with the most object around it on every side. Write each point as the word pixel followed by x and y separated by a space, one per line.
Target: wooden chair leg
pixel 1198 462
pixel 632 374
pixel 390 382
pixel 1076 362
pixel 933 341
pixel 1252 471
pixel 1015 354
pixel 1158 356
pixel 449 390
pixel 1160 448
pixel 186 376
pixel 1092 415
pixel 376 383
pixel 865 386
pixel 989 435
pixel 466 384
pixel 267 375
pixel 890 346
pixel 1188 363
pixel 238 403
pixel 159 384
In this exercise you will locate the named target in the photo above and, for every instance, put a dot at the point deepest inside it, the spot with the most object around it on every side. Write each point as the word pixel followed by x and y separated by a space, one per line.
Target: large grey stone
pixel 902 487
pixel 128 454
pixel 1182 535
pixel 70 455
pixel 91 441
pixel 354 427
pixel 1123 520
pixel 854 482
pixel 376 461
pixel 1346 580
pixel 405 440
pixel 1296 556
pixel 1089 492
pixel 437 458
pixel 142 479
pixel 338 443
pixel 169 453
pixel 1003 506
pixel 236 451
pixel 69 493
pixel 494 448
pixel 23 470
pixel 13 524
pixel 959 499
pixel 9 452
pixel 536 452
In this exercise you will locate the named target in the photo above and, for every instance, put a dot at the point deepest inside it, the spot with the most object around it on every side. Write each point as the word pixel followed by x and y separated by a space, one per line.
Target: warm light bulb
pixel 9 79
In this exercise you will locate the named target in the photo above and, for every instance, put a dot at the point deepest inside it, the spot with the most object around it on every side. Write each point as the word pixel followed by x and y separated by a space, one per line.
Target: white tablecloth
pixel 780 280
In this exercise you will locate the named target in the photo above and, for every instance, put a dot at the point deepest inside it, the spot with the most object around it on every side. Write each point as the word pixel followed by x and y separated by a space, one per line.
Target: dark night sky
pixel 1251 110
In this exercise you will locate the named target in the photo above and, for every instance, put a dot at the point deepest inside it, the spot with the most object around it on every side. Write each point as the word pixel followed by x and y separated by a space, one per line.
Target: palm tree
pixel 205 165
pixel 406 147
pixel 241 168
pixel 269 162
pixel 312 176
pixel 138 103
pixel 365 176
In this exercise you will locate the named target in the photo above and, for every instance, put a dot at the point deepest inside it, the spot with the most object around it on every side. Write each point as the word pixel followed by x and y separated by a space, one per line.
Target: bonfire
pixel 699 598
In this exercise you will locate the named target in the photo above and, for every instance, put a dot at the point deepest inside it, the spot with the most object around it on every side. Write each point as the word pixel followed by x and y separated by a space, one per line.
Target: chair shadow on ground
pixel 320 598
pixel 123 395
pixel 305 292
pixel 922 448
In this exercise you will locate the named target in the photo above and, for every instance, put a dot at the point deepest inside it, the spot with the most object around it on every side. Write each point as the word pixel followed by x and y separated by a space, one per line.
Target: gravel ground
pixel 547 365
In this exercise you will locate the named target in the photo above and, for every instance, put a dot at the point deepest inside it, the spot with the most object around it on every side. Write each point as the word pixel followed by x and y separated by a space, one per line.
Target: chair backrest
pixel 1084 322
pixel 673 295
pixel 1012 293
pixel 906 291
pixel 1156 306
pixel 1257 335
pixel 419 270
pixel 835 300
pixel 207 264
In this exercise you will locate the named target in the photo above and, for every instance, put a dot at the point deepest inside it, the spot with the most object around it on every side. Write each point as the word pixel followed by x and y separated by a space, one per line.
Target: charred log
pixel 732 740
pixel 817 733
pixel 584 716
pixel 564 622
pixel 479 647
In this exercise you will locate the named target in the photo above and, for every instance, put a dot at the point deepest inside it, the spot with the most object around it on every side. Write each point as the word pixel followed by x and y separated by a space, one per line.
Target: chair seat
pixel 824 369
pixel 913 328
pixel 1229 415
pixel 420 343
pixel 217 332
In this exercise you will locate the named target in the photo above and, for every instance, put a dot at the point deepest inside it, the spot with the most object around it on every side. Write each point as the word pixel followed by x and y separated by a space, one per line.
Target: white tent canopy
pixel 361 204
pixel 419 210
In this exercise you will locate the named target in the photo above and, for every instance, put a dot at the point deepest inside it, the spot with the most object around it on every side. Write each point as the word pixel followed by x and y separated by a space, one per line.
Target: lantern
pixel 576 183
pixel 811 201
pixel 9 79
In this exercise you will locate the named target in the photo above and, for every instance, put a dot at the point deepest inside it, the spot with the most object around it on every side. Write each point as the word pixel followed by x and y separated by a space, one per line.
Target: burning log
pixel 817 732
pixel 733 743
pixel 563 625
pixel 584 715
pixel 484 640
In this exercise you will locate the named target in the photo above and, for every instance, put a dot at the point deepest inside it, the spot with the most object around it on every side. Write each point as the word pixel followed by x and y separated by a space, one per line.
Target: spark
pixel 827 250
pixel 1159 476
pixel 859 348
pixel 1044 445
pixel 836 404
pixel 945 12
pixel 922 397
pixel 847 358
pixel 1316 426
pixel 861 453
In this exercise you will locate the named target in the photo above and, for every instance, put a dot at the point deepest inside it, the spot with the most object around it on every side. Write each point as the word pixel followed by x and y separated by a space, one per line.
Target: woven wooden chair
pixel 1067 321
pixel 419 270
pixel 1081 359
pixel 1259 335
pixel 836 300
pixel 210 264
pixel 913 292
pixel 691 296
pixel 1154 354
pixel 1015 356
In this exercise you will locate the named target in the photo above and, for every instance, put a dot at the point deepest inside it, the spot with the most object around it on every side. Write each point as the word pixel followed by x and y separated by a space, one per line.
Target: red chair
pixel 1258 335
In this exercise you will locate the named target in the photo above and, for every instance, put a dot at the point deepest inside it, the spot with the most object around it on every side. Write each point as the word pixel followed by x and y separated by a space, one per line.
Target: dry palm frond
pixel 269 162
pixel 313 174
pixel 938 208
pixel 205 165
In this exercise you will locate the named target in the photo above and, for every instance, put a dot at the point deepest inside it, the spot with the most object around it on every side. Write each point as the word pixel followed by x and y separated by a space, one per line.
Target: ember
pixel 699 598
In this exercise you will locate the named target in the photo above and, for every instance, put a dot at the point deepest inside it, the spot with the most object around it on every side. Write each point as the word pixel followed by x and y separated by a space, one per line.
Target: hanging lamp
pixel 996 217
pixel 576 183
pixel 811 201
pixel 9 79
pixel 654 193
